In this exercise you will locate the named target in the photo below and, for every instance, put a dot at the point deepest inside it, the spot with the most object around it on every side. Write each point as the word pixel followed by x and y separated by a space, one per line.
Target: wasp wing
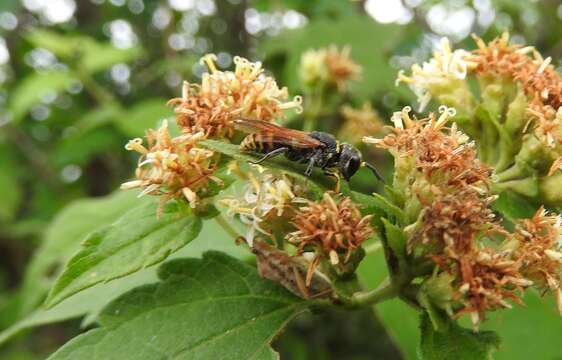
pixel 274 134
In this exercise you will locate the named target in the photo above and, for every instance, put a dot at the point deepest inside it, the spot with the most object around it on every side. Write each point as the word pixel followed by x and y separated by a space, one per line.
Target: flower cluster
pixel 515 119
pixel 172 167
pixel 359 123
pixel 267 200
pixel 450 222
pixel 223 96
pixel 333 227
pixel 328 66
pixel 180 168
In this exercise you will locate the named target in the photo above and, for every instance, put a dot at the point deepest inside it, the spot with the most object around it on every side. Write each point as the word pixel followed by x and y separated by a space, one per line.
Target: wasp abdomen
pixel 259 143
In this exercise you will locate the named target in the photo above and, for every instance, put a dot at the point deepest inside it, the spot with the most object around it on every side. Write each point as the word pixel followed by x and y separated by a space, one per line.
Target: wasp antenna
pixel 374 170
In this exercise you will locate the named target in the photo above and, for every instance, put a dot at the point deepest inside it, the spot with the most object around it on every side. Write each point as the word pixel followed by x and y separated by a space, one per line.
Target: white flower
pixel 267 194
pixel 442 70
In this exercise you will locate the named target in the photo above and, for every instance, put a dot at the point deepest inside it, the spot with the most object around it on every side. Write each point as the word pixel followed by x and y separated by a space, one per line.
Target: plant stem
pixel 312 111
pixel 384 291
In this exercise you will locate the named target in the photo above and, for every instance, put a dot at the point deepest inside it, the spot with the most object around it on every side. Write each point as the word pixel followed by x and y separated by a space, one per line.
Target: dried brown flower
pixel 487 279
pixel 341 68
pixel 172 167
pixel 224 96
pixel 329 66
pixel 333 227
pixel 539 249
pixel 359 122
pixel 442 155
pixel 452 224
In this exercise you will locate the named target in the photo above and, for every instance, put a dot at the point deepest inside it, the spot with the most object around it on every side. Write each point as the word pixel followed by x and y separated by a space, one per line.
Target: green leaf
pixel 96 118
pixel 318 182
pixel 455 342
pixel 90 302
pixel 63 237
pixel 369 41
pixel 379 204
pixel 521 341
pixel 144 115
pixel 394 242
pixel 32 88
pixel 79 149
pixel 214 308
pixel 138 239
pixel 514 206
pixel 98 57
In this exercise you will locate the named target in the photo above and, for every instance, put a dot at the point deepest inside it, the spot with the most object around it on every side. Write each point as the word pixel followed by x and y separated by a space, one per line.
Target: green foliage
pixel 521 341
pixel 455 342
pixel 157 320
pixel 514 206
pixel 143 115
pixel 31 89
pixel 369 43
pixel 8 181
pixel 216 307
pixel 89 55
pixel 86 303
pixel 138 239
pixel 63 238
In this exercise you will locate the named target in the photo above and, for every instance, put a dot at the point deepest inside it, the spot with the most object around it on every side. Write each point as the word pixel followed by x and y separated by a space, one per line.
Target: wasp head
pixel 349 162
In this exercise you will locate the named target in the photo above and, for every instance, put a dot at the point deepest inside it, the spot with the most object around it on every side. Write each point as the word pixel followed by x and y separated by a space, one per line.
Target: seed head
pixel 222 96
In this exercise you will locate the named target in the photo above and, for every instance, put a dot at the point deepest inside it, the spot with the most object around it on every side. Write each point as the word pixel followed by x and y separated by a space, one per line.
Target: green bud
pixel 550 190
pixel 439 291
pixel 516 119
pixel 535 156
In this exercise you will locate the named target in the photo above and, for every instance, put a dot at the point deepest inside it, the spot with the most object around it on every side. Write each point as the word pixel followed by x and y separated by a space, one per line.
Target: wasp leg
pixel 270 155
pixel 338 179
pixel 311 163
pixel 310 166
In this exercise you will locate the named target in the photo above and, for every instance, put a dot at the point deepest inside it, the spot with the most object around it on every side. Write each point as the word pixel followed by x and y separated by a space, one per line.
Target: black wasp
pixel 316 149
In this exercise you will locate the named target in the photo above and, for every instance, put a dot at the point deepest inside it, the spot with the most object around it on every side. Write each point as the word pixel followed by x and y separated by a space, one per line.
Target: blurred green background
pixel 78 78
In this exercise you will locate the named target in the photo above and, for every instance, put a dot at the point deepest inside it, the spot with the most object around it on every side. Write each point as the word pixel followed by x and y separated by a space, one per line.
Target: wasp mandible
pixel 316 149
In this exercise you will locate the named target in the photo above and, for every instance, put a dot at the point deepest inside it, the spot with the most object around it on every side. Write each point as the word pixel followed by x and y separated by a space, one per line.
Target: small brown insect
pixel 278 266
